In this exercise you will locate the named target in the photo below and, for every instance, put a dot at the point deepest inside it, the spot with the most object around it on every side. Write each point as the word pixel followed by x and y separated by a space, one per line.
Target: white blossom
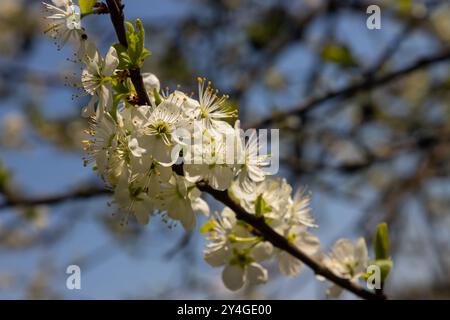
pixel 96 80
pixel 65 21
pixel 249 161
pixel 158 131
pixel 179 199
pixel 347 260
pixel 302 239
pixel 238 250
pixel 212 110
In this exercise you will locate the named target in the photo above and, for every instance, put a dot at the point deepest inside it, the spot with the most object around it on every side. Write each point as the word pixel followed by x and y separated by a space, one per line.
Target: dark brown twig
pixel 55 199
pixel 363 85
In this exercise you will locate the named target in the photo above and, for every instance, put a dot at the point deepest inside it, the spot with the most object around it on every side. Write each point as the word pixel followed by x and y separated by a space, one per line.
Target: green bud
pixel 381 242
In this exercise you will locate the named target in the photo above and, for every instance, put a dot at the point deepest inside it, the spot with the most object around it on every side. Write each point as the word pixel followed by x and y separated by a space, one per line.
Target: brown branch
pixel 282 243
pixel 363 85
pixel 117 17
pixel 72 195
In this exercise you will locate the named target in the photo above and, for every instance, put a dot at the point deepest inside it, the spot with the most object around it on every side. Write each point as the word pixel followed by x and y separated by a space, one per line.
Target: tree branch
pixel 117 17
pixel 363 85
pixel 72 195
pixel 282 243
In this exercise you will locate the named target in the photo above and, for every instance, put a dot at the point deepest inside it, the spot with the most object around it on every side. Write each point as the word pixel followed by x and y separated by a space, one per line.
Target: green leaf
pixel 339 54
pixel 140 38
pixel 261 207
pixel 124 58
pixel 381 242
pixel 86 5
pixel 133 56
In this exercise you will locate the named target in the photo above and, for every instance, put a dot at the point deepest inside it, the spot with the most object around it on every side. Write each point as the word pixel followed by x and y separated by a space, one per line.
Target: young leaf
pixel 86 5
pixel 381 242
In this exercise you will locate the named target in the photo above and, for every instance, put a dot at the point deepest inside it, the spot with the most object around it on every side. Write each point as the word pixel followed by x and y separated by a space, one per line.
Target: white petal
pixel 111 62
pixel 143 210
pixel 221 177
pixel 89 110
pixel 256 274
pixel 233 277
pixel 308 243
pixel 229 218
pixel 134 147
pixel 181 210
pixel 151 82
pixel 361 255
pixel 262 251
pixel 216 254
pixel 195 172
pixel 289 265
pixel 200 205
pixel 342 249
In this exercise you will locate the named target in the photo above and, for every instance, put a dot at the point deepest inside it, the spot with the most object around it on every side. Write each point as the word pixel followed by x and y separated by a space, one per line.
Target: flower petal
pixel 233 277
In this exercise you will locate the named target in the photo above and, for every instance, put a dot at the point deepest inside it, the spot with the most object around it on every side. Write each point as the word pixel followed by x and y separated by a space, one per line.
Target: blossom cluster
pixel 154 156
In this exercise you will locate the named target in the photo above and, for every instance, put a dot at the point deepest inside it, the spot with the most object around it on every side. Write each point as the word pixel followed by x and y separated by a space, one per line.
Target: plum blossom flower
pixel 180 199
pixel 347 260
pixel 96 80
pixel 302 239
pixel 65 21
pixel 206 160
pixel 134 200
pixel 249 161
pixel 212 110
pixel 273 192
pixel 238 250
pixel 158 131
pixel 299 210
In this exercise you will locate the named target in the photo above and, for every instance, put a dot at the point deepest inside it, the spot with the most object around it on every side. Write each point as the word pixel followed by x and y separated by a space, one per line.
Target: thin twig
pixel 72 195
pixel 363 85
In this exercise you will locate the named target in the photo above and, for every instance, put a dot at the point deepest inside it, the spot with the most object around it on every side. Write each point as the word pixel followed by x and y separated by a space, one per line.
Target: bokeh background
pixel 373 144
